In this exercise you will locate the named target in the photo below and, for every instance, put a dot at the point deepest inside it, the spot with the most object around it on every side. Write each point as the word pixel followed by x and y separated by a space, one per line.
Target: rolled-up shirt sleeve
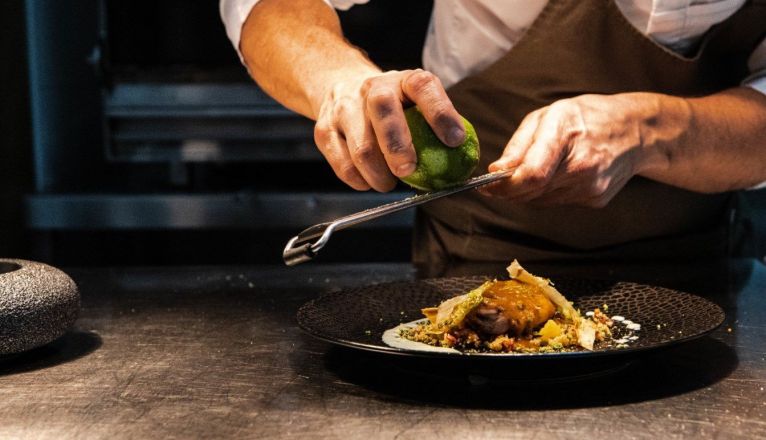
pixel 235 12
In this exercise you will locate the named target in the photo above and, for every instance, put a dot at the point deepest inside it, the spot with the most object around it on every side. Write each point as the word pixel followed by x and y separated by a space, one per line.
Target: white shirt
pixel 496 26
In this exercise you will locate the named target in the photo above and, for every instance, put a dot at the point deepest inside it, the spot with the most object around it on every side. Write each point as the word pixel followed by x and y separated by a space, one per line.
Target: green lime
pixel 439 166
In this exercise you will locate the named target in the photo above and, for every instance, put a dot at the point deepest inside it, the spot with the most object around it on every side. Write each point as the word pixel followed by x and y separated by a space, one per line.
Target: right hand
pixel 362 132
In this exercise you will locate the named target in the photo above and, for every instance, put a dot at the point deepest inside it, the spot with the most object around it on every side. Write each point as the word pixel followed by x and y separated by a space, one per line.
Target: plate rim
pixel 343 342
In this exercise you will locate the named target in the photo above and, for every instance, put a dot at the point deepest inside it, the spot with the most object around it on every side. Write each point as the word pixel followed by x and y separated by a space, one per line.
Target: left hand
pixel 580 151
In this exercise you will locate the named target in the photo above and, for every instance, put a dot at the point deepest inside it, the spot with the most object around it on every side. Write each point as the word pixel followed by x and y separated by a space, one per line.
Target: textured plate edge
pixel 522 357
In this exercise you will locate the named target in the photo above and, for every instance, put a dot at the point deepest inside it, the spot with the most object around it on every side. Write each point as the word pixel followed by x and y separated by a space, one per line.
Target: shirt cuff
pixel 756 81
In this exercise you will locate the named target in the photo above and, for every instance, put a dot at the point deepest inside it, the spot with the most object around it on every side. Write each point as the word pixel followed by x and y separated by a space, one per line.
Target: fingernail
pixel 497 166
pixel 405 169
pixel 456 136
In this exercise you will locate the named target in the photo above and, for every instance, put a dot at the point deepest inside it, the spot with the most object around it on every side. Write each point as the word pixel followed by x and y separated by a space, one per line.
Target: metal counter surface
pixel 216 353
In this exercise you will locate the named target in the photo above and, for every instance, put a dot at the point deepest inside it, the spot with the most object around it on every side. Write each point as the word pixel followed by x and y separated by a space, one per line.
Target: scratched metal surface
pixel 215 353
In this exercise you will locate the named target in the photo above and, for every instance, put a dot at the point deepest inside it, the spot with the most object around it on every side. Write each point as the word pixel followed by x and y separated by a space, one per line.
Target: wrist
pixel 663 123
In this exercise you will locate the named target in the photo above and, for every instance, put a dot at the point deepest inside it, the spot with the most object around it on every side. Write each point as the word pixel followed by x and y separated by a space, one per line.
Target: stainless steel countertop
pixel 215 352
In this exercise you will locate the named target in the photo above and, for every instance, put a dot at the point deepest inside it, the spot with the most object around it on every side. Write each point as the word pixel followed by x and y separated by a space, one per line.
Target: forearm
pixel 708 144
pixel 274 44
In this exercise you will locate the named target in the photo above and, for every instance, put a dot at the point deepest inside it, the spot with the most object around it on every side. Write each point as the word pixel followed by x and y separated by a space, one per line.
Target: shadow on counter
pixel 523 386
pixel 74 345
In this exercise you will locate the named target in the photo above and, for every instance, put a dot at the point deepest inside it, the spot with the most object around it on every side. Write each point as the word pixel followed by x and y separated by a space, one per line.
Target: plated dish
pixel 524 314
pixel 359 317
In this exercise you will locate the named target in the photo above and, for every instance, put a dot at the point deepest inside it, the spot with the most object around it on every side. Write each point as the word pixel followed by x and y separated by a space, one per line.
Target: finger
pixel 541 160
pixel 520 141
pixel 384 108
pixel 513 155
pixel 494 189
pixel 333 147
pixel 426 91
pixel 365 152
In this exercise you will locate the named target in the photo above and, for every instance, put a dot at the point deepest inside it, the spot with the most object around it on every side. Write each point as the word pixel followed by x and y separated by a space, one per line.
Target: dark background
pixel 77 64
pixel 157 42
pixel 15 140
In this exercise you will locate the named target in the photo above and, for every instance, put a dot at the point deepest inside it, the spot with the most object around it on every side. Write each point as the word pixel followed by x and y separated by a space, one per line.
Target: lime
pixel 439 166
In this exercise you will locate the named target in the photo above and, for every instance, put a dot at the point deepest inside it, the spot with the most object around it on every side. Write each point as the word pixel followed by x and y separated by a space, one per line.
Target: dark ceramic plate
pixel 358 317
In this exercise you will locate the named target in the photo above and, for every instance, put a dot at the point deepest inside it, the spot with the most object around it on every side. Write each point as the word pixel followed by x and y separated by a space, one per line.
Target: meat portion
pixel 511 307
pixel 488 320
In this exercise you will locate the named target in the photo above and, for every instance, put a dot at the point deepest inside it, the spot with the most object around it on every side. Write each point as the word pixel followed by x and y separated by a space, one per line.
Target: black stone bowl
pixel 38 304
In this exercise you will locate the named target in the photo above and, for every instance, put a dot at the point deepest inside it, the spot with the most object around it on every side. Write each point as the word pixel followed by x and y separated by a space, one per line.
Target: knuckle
pixel 441 112
pixel 347 172
pixel 537 113
pixel 530 117
pixel 421 81
pixel 321 134
pixel 343 107
pixel 336 91
pixel 438 108
pixel 397 147
pixel 368 84
pixel 382 101
pixel 365 151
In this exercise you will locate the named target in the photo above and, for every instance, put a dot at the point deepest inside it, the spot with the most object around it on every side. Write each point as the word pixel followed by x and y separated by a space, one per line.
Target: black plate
pixel 358 317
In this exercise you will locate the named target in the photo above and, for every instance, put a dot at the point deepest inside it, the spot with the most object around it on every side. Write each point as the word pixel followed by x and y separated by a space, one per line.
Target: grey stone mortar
pixel 38 304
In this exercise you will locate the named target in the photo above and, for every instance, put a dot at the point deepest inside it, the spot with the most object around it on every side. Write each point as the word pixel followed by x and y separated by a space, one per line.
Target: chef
pixel 630 124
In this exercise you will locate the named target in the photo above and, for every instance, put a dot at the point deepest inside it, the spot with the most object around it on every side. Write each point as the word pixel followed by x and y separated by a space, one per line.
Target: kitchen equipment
pixel 301 248
pixel 157 130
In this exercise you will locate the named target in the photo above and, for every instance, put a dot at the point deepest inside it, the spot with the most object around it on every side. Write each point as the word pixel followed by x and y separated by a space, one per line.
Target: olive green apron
pixel 576 47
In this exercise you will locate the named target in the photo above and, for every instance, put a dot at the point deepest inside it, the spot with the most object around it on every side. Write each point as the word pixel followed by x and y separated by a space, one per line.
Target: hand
pixel 362 132
pixel 581 151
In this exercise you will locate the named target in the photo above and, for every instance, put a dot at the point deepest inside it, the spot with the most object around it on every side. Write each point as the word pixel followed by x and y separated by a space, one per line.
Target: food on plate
pixel 439 166
pixel 525 314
